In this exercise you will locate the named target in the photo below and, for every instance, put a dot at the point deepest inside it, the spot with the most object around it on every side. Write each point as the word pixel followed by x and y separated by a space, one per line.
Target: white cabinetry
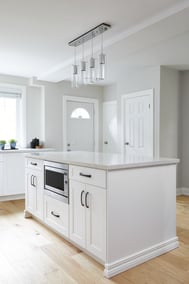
pixel 56 214
pixel 88 209
pixel 34 187
pixel 11 174
pixel 1 175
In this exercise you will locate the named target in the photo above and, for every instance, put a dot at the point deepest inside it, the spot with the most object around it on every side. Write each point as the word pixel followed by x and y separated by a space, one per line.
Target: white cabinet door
pixel 34 192
pixel 77 212
pixel 96 220
pixel 1 178
pixel 88 217
pixel 14 173
pixel 38 194
pixel 29 191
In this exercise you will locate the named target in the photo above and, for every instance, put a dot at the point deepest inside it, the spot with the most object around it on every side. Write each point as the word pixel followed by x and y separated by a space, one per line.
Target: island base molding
pixel 133 260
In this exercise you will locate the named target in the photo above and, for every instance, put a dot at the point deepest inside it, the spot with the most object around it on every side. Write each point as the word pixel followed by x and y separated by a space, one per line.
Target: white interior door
pixel 110 127
pixel 138 123
pixel 80 126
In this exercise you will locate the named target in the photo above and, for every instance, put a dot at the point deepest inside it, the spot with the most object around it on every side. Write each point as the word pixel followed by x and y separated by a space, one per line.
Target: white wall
pixel 169 112
pixel 142 78
pixel 184 127
pixel 53 104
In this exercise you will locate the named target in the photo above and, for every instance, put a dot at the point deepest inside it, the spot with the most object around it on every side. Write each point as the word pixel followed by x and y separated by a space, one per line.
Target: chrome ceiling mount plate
pixel 90 34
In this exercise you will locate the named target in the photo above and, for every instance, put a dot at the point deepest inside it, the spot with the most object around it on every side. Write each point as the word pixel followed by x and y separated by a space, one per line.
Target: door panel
pixel 77 213
pixel 138 124
pixel 110 127
pixel 96 221
pixel 80 126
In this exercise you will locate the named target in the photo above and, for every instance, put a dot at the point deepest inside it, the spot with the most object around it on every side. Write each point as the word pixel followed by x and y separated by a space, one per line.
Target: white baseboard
pixel 12 197
pixel 183 191
pixel 140 257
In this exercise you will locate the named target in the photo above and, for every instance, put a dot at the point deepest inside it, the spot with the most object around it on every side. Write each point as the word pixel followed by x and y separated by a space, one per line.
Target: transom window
pixel 80 113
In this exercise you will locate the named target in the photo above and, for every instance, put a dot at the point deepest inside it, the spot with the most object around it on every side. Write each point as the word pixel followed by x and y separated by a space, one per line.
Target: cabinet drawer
pixel 88 175
pixel 34 164
pixel 56 214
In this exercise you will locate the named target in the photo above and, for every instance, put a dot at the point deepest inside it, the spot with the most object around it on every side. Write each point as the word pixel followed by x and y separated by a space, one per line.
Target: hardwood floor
pixel 32 254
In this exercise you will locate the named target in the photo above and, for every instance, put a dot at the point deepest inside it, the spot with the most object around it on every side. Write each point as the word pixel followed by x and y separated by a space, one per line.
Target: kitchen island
pixel 121 210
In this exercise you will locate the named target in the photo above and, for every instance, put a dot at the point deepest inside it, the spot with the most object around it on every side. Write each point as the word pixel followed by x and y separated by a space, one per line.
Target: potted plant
pixel 12 143
pixel 2 144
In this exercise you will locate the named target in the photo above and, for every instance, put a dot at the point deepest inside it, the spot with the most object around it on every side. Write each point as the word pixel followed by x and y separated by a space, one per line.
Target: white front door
pixel 110 127
pixel 138 123
pixel 80 126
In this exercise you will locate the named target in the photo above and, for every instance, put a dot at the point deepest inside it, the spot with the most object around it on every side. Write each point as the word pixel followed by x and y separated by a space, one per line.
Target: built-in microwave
pixel 56 180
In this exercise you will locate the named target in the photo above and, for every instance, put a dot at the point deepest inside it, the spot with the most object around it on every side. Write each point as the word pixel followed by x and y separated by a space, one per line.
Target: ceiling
pixel 35 34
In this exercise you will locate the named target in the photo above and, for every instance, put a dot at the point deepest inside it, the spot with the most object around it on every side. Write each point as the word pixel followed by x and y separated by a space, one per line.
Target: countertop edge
pixel 131 165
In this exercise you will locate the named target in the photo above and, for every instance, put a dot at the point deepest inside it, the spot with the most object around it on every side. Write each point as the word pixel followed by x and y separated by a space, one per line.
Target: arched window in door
pixel 80 113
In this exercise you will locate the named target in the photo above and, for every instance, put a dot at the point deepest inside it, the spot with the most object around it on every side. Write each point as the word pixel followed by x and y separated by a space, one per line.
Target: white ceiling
pixel 35 34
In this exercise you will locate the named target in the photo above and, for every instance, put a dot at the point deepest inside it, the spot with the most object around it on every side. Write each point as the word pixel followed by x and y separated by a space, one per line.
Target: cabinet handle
pixel 84 175
pixel 34 181
pixel 81 198
pixel 86 199
pixel 33 164
pixel 31 180
pixel 55 215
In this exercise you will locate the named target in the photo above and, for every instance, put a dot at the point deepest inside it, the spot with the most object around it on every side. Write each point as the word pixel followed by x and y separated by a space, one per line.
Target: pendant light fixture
pixel 95 71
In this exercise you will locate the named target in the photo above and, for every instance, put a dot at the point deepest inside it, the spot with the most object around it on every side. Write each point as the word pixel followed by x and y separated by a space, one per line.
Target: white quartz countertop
pixel 102 160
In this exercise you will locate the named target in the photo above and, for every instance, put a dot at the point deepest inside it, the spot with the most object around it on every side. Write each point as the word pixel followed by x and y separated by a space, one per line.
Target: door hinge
pixel 149 105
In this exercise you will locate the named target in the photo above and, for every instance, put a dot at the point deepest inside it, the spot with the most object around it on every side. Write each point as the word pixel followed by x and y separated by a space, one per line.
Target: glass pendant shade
pixel 83 72
pixel 92 75
pixel 102 62
pixel 75 76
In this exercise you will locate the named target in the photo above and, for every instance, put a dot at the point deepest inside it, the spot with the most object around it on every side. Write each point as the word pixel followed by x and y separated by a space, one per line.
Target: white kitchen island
pixel 129 212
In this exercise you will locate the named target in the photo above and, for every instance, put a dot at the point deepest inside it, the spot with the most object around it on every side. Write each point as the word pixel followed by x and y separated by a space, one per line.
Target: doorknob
pixel 126 143
pixel 106 142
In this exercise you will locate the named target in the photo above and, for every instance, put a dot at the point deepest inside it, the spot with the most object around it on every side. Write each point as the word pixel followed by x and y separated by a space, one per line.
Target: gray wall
pixel 137 80
pixel 184 127
pixel 169 112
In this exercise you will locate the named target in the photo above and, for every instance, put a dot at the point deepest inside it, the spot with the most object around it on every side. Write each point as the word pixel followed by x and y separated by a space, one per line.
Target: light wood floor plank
pixel 30 253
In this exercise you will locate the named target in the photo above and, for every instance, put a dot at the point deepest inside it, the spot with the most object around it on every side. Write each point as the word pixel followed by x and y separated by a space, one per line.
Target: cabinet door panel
pixel 96 221
pixel 14 173
pixel 38 194
pixel 77 213
pixel 29 191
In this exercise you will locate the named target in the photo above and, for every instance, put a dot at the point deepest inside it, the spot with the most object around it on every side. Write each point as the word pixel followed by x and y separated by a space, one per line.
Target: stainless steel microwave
pixel 56 180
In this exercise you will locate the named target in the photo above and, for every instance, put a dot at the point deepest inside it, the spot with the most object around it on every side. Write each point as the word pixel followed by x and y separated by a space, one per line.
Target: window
pixel 80 113
pixel 11 115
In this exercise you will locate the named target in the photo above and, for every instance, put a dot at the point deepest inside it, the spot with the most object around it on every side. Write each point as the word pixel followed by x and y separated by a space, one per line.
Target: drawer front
pixel 88 175
pixel 56 214
pixel 34 164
